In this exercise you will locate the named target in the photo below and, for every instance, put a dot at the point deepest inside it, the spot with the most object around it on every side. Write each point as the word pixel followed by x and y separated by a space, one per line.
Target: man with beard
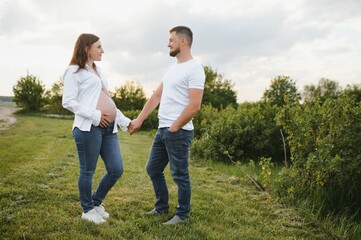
pixel 179 96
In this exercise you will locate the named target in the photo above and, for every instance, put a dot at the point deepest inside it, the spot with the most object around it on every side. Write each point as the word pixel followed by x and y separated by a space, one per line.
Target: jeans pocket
pixel 174 135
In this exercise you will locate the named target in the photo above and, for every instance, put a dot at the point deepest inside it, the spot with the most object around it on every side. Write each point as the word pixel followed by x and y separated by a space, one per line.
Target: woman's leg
pixel 111 155
pixel 88 146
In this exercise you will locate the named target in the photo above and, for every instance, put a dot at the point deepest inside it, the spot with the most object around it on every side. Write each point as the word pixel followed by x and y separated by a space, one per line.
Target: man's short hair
pixel 184 31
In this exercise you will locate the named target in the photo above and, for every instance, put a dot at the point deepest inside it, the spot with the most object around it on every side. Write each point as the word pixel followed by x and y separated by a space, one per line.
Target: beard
pixel 174 52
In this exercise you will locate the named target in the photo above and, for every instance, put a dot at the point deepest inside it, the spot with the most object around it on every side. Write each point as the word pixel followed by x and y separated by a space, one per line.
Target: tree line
pixel 32 96
pixel 312 137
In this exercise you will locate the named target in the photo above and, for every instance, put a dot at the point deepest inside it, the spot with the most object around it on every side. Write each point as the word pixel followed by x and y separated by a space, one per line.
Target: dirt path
pixel 6 117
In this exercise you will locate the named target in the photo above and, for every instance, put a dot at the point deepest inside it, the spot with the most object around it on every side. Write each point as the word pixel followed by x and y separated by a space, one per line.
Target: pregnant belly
pixel 106 105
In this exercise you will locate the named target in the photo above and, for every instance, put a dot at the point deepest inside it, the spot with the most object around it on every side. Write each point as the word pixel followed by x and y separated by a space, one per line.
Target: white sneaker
pixel 101 211
pixel 93 216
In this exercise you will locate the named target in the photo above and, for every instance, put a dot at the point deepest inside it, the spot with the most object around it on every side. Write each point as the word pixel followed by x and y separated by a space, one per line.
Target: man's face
pixel 173 44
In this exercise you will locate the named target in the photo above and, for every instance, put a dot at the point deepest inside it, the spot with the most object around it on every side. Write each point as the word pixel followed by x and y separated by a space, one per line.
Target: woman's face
pixel 95 52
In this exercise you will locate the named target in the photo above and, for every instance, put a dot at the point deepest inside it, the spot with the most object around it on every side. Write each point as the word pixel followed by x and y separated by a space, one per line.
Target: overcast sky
pixel 248 42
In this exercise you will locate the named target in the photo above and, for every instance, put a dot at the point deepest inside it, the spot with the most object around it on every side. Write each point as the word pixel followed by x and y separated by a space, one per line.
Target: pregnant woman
pixel 85 93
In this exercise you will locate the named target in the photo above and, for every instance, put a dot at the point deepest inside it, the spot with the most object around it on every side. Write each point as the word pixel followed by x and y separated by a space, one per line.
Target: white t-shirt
pixel 177 81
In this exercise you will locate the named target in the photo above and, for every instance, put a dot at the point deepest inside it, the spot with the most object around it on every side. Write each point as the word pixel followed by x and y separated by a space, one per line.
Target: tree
pixel 28 93
pixel 326 88
pixel 282 90
pixel 218 91
pixel 130 96
pixel 54 99
pixel 354 90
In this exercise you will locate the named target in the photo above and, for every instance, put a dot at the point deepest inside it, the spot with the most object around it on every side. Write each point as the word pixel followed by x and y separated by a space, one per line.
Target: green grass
pixel 39 196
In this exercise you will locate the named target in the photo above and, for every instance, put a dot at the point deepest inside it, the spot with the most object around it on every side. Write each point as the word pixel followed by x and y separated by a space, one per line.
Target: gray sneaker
pixel 176 220
pixel 154 212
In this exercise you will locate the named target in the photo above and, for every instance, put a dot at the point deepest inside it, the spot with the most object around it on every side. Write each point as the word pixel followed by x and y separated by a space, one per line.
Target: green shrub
pixel 150 123
pixel 325 140
pixel 248 132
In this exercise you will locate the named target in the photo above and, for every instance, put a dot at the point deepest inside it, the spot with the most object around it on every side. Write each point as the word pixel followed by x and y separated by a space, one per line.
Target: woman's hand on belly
pixel 107 106
pixel 104 120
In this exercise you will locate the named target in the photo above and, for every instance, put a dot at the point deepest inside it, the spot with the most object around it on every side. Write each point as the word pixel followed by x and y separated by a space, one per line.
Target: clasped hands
pixel 134 126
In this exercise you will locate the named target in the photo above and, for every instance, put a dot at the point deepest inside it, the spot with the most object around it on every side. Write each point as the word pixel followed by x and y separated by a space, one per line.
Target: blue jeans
pixel 172 147
pixel 99 141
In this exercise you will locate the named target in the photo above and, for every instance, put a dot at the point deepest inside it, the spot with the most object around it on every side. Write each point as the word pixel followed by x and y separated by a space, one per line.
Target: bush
pixel 325 140
pixel 249 132
pixel 150 123
pixel 54 99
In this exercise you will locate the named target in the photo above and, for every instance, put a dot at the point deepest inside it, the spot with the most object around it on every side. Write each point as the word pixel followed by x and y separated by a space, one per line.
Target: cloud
pixel 16 18
pixel 247 42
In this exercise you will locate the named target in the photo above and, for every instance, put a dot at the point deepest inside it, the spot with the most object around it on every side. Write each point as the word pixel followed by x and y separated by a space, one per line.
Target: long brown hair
pixel 80 56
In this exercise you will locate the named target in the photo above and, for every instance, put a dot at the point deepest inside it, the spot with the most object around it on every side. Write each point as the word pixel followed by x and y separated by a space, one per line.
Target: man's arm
pixel 148 108
pixel 194 105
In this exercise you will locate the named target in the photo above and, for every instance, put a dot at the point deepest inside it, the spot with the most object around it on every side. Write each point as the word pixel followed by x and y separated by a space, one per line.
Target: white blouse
pixel 80 95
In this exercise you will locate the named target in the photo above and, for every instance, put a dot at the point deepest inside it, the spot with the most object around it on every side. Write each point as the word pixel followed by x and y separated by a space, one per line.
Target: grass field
pixel 39 196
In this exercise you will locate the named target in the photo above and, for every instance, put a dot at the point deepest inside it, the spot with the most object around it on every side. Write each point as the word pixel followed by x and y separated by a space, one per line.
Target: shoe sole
pixel 180 222
pixel 85 219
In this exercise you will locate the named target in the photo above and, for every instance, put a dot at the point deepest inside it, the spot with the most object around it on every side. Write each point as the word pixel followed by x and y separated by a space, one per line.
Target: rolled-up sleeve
pixel 122 121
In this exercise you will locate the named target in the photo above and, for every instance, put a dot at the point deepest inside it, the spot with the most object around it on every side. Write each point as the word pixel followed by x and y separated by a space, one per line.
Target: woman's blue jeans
pixel 172 147
pixel 99 141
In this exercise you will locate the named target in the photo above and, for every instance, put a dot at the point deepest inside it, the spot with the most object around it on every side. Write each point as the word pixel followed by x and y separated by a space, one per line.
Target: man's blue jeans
pixel 172 147
pixel 99 141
